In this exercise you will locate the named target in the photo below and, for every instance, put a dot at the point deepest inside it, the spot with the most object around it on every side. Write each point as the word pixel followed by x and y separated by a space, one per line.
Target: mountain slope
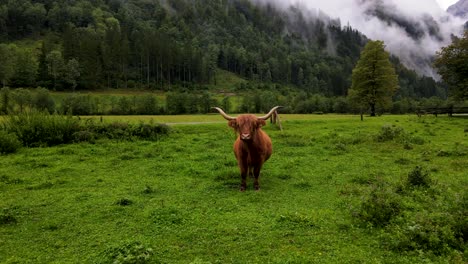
pixel 179 44
pixel 459 9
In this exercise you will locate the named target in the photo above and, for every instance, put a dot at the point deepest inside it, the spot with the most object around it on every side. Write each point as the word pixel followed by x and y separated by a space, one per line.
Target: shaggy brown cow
pixel 253 146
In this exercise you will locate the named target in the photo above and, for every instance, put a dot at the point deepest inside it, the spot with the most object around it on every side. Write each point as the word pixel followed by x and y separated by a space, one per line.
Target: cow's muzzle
pixel 245 136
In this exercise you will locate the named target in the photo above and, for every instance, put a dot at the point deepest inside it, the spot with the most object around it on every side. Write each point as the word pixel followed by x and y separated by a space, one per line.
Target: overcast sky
pixel 446 3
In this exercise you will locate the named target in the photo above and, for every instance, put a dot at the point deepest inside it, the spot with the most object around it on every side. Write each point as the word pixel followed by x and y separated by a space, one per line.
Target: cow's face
pixel 246 126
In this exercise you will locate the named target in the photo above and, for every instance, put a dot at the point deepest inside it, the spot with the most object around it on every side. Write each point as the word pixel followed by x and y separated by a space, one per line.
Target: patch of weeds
pixel 7 180
pixel 148 190
pixel 285 177
pixel 418 177
pixel 380 206
pixel 132 252
pixel 389 133
pixel 7 218
pixel 9 142
pixel 416 140
pixel 424 231
pixel 295 220
pixel 166 217
pixel 303 185
pixel 459 150
pixel 341 147
pixel 127 156
pixel 124 202
pixel 84 136
pixel 50 227
pixel 41 186
pixel 363 180
pixel 293 140
pixel 443 153
pixel 402 161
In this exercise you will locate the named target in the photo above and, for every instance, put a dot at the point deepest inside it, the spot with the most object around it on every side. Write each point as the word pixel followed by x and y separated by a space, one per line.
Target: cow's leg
pixel 243 179
pixel 244 171
pixel 256 172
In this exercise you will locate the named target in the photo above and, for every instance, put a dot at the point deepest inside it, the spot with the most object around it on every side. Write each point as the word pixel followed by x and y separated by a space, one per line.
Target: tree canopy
pixel 374 80
pixel 452 65
pixel 169 44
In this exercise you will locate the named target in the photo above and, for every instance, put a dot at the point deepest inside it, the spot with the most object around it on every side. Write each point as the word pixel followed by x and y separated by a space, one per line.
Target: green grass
pixel 177 200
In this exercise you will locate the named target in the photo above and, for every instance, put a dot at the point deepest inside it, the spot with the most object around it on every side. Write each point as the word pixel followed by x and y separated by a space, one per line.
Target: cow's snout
pixel 245 136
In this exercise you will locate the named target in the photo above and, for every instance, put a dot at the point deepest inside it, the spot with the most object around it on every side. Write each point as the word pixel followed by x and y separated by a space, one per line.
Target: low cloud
pixel 412 30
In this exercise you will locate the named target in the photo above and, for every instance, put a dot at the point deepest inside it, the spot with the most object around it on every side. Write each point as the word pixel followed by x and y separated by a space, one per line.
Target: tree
pixel 452 65
pixel 7 65
pixel 71 73
pixel 22 97
pixel 55 65
pixel 374 80
pixel 26 67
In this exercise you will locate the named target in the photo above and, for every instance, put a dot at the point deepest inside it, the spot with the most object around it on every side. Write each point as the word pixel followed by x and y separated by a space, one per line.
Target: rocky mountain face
pixel 459 9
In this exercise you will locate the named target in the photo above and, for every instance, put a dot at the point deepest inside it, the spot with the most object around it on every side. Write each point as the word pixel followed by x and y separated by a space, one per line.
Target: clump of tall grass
pixel 419 216
pixel 39 128
pixel 395 133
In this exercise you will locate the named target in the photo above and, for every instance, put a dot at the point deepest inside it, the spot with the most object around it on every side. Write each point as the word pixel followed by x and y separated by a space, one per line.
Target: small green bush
pixel 128 253
pixel 39 128
pixel 423 231
pixel 7 218
pixel 389 133
pixel 9 142
pixel 380 206
pixel 418 177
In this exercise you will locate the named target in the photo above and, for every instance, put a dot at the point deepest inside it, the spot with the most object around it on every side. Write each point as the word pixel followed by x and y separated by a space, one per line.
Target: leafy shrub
pixel 36 128
pixel 126 131
pixel 9 142
pixel 389 133
pixel 418 178
pixel 7 218
pixel 128 253
pixel 84 136
pixel 79 104
pixel 124 202
pixel 424 231
pixel 380 206
pixel 43 101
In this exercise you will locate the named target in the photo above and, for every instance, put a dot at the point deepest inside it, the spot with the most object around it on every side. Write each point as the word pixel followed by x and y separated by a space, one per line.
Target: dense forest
pixel 180 44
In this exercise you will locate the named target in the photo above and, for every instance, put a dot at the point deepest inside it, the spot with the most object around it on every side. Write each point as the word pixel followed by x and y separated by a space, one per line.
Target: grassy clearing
pixel 177 200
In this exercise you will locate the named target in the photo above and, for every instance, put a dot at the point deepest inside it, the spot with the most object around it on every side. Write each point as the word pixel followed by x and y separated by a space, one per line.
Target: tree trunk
pixel 372 109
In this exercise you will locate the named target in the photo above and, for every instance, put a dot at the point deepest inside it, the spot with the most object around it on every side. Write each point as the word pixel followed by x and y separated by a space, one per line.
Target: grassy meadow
pixel 177 200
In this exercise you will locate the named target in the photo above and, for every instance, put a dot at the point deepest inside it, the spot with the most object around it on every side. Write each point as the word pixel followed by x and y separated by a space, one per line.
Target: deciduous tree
pixel 452 65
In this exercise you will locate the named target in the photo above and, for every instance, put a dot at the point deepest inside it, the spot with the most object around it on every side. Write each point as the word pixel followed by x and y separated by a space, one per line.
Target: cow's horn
pixel 265 117
pixel 224 114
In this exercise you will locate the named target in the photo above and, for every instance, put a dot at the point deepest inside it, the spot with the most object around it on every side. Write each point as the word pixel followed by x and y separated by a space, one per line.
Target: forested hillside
pixel 172 44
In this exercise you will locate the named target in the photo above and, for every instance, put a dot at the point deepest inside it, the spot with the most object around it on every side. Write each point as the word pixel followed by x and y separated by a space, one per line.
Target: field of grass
pixel 177 200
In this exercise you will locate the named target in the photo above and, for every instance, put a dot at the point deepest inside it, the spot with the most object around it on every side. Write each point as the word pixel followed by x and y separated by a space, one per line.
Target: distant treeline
pixel 88 44
pixel 255 101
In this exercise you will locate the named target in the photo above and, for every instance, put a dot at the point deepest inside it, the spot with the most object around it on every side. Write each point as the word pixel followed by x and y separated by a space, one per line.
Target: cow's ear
pixel 260 122
pixel 232 123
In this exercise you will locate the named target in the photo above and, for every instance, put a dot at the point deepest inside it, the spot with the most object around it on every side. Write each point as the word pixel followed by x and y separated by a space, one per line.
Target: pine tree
pixel 374 80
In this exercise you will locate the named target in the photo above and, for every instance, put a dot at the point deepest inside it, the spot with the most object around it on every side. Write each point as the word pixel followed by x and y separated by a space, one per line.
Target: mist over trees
pixel 163 45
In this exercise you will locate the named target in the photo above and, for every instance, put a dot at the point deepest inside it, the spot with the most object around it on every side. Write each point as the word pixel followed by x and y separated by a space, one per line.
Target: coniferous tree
pixel 374 80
